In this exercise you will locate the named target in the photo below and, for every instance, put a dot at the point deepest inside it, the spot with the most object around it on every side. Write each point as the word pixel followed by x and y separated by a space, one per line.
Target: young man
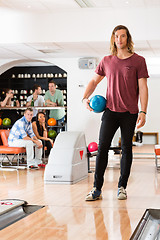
pixel 127 75
pixel 36 99
pixel 22 135
pixel 9 103
pixel 54 98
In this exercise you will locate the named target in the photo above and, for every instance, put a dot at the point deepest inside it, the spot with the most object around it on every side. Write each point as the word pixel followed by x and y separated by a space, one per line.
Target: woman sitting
pixel 40 129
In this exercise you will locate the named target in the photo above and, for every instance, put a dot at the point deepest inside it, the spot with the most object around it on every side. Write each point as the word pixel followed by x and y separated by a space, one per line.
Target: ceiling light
pixel 84 3
pixel 50 50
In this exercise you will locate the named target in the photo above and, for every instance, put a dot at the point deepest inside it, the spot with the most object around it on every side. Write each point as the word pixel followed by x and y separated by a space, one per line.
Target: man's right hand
pixel 38 143
pixel 86 102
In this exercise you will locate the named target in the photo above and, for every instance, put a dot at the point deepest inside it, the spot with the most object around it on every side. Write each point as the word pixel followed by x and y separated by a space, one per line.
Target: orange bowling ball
pixel 0 121
pixel 52 122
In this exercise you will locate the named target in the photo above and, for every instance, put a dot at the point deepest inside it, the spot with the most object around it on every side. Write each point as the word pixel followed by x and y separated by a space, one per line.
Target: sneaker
pixel 34 167
pixel 122 194
pixel 93 195
pixel 32 164
pixel 37 161
pixel 41 165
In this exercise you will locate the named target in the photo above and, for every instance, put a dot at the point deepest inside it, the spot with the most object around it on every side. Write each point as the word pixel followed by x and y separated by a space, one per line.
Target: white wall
pixel 153 115
pixel 85 25
pixel 78 25
pixel 79 118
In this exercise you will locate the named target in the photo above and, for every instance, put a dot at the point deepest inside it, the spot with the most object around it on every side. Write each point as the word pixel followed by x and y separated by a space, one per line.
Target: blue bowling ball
pixel 98 103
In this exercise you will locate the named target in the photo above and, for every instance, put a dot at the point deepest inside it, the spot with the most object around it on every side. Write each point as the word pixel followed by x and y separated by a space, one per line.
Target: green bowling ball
pixel 6 121
pixel 52 134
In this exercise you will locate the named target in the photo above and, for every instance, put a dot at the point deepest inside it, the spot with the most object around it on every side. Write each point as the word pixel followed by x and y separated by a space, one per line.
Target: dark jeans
pixel 48 144
pixel 60 121
pixel 111 121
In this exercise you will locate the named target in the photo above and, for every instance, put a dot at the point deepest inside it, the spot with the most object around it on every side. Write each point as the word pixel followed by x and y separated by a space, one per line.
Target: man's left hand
pixel 141 120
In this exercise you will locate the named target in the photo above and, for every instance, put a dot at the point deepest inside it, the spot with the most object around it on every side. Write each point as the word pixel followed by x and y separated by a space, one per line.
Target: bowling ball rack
pixel 12 210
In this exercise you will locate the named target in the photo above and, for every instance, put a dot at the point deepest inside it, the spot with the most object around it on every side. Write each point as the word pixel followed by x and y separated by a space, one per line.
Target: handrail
pixel 23 108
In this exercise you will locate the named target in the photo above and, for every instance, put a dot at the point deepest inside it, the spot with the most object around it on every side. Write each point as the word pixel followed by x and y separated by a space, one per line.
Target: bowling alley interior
pixel 60 44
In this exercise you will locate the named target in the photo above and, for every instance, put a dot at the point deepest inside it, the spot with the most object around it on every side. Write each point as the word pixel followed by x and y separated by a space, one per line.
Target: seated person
pixel 22 135
pixel 54 98
pixel 36 99
pixel 7 102
pixel 40 129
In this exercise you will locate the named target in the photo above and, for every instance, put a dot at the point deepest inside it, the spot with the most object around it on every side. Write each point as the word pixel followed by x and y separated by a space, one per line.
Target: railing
pixel 23 108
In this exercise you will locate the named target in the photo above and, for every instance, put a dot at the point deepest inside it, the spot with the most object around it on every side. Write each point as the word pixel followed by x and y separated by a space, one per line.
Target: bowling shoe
pixel 122 194
pixel 93 195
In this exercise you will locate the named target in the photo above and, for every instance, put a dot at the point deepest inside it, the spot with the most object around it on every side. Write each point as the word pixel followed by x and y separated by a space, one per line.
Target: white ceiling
pixel 74 49
pixel 53 5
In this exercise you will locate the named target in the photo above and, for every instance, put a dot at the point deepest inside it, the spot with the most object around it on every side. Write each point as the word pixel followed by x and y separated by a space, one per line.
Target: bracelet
pixel 142 112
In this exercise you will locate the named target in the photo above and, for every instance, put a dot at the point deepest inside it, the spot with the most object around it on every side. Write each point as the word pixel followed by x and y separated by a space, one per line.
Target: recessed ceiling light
pixel 84 3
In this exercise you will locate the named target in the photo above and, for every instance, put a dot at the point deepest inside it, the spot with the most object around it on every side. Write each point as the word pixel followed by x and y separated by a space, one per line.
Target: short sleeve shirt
pixel 56 98
pixel 21 128
pixel 37 103
pixel 122 81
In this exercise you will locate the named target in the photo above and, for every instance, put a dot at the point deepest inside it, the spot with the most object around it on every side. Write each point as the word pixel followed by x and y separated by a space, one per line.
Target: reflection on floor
pixel 68 217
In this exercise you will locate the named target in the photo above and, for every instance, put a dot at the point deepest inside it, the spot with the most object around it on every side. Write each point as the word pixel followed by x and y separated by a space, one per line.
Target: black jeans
pixel 48 144
pixel 111 121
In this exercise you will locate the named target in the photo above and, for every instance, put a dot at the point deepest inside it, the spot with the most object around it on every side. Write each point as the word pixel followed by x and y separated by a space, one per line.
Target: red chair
pixel 6 151
pixel 157 155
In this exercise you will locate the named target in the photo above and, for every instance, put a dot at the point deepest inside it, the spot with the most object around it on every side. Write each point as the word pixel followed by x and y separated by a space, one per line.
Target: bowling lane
pixel 68 216
pixel 76 223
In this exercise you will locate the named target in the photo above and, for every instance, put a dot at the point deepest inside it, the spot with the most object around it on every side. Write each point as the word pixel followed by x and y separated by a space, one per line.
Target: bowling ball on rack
pixel 98 103
pixel 52 134
pixel 6 121
pixel 52 122
pixel 92 147
pixel 1 121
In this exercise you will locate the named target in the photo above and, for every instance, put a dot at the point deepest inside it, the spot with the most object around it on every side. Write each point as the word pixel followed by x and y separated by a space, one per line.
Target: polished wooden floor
pixel 68 217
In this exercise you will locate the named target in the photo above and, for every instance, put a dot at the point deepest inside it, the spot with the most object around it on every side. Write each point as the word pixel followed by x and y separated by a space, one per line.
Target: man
pixel 54 98
pixel 9 102
pixel 22 135
pixel 35 100
pixel 127 75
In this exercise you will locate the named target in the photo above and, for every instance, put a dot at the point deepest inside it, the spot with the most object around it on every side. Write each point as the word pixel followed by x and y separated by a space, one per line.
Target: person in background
pixel 54 98
pixel 127 75
pixel 35 100
pixel 22 135
pixel 9 102
pixel 40 129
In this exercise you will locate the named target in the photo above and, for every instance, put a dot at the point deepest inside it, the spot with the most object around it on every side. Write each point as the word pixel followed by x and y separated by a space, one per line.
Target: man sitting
pixel 22 135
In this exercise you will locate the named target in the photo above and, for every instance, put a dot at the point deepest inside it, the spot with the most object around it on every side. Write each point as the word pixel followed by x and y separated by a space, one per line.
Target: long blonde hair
pixel 130 43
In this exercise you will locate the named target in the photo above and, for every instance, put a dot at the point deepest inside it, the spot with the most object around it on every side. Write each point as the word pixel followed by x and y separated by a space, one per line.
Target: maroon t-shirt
pixel 122 81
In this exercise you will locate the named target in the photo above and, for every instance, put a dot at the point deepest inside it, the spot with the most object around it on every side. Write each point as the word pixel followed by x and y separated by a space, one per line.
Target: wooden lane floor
pixel 68 217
